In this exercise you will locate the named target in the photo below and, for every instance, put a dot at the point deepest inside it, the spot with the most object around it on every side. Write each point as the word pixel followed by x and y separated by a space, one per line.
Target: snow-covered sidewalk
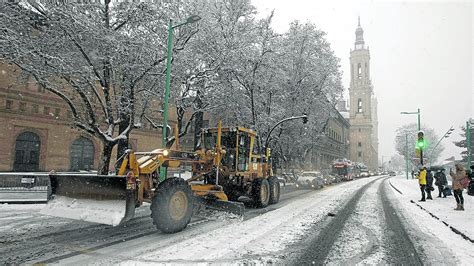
pixel 437 217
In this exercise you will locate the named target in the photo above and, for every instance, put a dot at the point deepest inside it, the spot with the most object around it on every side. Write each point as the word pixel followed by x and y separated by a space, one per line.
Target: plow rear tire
pixel 172 205
pixel 274 190
pixel 261 192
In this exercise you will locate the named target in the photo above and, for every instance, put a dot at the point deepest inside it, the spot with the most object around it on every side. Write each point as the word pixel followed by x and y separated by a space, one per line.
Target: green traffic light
pixel 421 144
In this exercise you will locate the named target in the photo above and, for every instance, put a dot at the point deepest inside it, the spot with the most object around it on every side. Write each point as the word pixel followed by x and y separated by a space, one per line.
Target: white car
pixel 312 180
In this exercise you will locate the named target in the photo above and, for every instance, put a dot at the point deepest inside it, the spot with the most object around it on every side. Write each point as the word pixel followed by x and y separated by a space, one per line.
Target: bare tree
pixel 95 57
pixel 411 131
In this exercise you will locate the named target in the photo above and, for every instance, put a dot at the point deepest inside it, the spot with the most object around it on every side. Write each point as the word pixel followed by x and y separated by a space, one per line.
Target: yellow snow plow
pixel 222 175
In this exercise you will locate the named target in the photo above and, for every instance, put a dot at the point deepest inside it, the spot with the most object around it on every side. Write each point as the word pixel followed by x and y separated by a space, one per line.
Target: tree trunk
pixel 106 156
pixel 123 144
pixel 197 129
pixel 198 122
pixel 126 117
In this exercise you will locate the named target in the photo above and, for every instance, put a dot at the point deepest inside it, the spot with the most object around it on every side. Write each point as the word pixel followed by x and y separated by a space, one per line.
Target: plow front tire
pixel 172 205
pixel 261 192
pixel 274 185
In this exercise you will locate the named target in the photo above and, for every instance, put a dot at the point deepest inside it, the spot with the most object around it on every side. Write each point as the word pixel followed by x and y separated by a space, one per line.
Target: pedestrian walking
pixel 457 177
pixel 429 184
pixel 422 181
pixel 441 182
pixel 412 174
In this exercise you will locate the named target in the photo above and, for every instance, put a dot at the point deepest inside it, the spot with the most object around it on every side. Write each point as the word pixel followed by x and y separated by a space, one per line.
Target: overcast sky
pixel 421 57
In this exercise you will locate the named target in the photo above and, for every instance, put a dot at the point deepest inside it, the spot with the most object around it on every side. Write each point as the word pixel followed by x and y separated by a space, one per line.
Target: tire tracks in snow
pixel 401 248
pixel 383 240
pixel 361 238
pixel 321 245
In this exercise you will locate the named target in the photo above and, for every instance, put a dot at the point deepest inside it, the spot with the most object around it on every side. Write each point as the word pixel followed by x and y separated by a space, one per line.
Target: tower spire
pixel 359 43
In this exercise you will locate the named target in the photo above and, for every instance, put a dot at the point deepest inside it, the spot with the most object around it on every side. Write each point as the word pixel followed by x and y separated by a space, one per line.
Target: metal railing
pixel 24 187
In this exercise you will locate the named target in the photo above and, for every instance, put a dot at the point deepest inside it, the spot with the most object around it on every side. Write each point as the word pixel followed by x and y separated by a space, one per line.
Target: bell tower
pixel 363 139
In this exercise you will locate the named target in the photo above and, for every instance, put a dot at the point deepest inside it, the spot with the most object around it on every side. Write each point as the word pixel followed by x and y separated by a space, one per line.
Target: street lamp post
pixel 189 20
pixel 305 120
pixel 406 154
pixel 414 113
pixel 468 143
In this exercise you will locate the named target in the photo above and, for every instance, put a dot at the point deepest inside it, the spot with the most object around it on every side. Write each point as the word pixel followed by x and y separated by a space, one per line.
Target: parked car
pixel 364 174
pixel 328 179
pixel 337 178
pixel 312 180
pixel 392 173
pixel 288 177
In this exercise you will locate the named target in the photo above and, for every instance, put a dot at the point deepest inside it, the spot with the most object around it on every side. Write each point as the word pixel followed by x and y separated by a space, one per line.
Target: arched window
pixel 27 152
pixel 359 71
pixel 82 154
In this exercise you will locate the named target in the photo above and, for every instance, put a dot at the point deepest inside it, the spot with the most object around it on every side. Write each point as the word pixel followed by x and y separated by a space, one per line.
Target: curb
pixel 456 231
pixel 445 223
pixel 396 189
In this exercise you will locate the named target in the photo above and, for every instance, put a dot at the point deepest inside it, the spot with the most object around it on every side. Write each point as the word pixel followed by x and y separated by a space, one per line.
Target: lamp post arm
pixel 439 141
pixel 279 123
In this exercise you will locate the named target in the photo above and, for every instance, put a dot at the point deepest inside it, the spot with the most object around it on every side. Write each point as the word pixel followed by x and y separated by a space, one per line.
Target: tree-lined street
pixel 236 132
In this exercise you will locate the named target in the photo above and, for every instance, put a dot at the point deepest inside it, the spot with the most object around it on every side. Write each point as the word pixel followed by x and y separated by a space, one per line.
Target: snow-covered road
pixel 363 221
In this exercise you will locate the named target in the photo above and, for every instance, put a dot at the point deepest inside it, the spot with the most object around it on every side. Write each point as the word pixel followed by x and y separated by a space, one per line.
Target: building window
pixel 8 104
pixel 360 154
pixel 359 71
pixel 82 154
pixel 46 110
pixel 34 108
pixel 359 144
pixel 22 106
pixel 27 151
pixel 57 111
pixel 359 106
pixel 41 88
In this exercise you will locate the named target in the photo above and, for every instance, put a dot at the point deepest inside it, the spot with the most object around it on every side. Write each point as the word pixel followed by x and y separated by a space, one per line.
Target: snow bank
pixel 108 212
pixel 443 208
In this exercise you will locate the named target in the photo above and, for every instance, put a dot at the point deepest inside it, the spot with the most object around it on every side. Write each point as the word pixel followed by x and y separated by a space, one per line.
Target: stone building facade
pixel 332 145
pixel 36 134
pixel 363 106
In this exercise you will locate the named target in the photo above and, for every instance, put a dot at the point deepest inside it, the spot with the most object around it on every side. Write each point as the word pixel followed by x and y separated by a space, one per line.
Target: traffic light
pixel 421 143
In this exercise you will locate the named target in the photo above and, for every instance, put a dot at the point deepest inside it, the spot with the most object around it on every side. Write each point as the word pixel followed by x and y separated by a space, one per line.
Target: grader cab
pixel 244 173
pixel 226 171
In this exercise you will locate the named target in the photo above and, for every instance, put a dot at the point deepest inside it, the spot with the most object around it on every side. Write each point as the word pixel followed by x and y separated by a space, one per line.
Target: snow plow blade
pixel 93 198
pixel 231 207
